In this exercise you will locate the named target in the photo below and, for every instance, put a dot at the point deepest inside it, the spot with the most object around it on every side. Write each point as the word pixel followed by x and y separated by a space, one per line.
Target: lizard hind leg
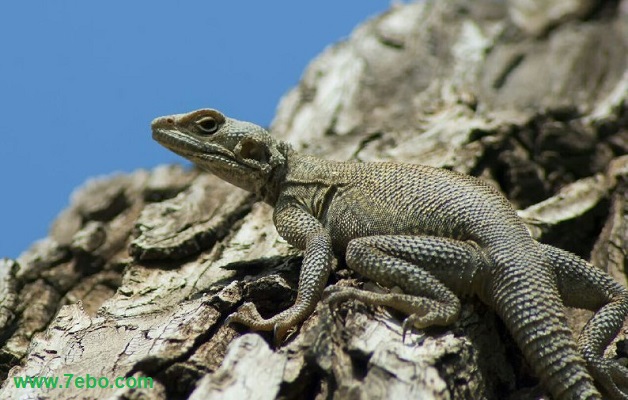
pixel 421 266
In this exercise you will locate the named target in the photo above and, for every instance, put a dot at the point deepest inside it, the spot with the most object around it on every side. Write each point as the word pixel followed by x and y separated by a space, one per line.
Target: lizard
pixel 434 233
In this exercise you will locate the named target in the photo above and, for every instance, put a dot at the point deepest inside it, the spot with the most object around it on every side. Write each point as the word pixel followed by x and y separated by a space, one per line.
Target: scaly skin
pixel 434 233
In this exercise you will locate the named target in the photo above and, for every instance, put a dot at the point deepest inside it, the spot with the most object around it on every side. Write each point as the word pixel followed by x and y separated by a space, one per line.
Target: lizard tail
pixel 527 299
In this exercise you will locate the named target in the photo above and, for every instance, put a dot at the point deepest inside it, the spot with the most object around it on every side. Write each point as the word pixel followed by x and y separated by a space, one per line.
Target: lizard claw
pixel 280 332
pixel 280 324
pixel 405 327
pixel 404 331
pixel 409 324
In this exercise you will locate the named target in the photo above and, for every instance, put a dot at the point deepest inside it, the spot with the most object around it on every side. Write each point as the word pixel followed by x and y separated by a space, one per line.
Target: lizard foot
pixel 423 312
pixel 611 376
pixel 281 324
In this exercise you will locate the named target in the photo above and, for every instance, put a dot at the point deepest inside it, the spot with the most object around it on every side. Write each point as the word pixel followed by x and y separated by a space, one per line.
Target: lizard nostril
pixel 170 120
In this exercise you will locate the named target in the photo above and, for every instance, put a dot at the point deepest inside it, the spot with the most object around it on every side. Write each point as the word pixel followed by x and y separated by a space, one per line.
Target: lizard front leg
pixel 582 285
pixel 415 264
pixel 305 232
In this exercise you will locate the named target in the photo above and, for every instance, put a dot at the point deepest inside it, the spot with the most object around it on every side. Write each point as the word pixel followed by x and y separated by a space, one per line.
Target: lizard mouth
pixel 181 144
pixel 195 150
pixel 215 158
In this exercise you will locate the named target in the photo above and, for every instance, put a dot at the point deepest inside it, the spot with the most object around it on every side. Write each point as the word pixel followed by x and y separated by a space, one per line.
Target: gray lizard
pixel 434 233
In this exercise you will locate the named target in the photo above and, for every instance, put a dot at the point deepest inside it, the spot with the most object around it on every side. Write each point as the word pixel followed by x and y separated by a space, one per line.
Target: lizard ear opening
pixel 259 154
pixel 255 150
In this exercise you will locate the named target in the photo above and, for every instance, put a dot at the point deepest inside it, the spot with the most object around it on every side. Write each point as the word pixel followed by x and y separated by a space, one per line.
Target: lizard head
pixel 238 152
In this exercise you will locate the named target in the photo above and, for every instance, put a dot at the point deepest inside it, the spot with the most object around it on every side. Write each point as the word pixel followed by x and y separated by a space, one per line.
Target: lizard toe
pixel 330 291
pixel 334 295
pixel 248 315
pixel 611 376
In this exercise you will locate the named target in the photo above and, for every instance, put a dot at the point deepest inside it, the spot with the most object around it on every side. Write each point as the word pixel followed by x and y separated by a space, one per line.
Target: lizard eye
pixel 207 125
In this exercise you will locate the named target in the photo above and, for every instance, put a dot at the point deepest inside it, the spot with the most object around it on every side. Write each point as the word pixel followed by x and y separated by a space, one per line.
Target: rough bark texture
pixel 139 274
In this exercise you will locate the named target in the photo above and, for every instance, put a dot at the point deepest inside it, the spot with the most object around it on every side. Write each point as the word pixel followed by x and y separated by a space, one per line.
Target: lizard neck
pixel 269 190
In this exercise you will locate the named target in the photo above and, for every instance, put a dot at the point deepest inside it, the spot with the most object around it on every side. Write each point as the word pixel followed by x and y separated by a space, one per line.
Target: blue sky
pixel 80 82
